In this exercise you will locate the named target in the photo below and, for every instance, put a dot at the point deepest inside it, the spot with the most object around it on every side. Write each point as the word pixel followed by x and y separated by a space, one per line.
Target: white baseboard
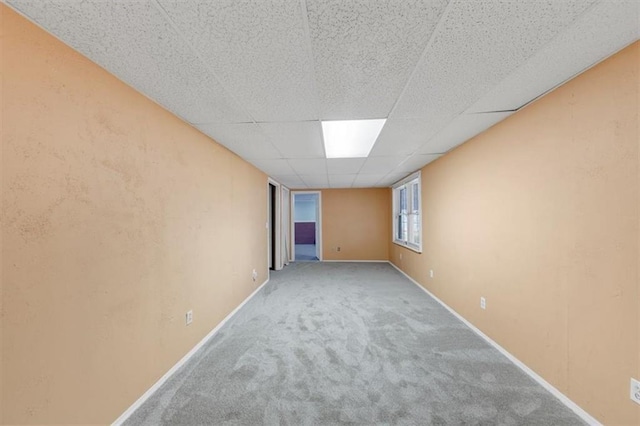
pixel 355 261
pixel 548 386
pixel 129 411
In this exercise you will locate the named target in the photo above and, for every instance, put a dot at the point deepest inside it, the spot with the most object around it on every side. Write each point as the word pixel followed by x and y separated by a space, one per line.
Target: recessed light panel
pixel 350 138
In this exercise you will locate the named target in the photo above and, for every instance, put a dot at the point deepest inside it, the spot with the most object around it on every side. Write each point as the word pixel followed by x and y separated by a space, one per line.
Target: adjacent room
pixel 306 226
pixel 320 212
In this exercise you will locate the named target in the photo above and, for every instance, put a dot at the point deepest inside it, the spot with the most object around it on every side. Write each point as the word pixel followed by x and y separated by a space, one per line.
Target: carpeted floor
pixel 347 343
pixel 306 252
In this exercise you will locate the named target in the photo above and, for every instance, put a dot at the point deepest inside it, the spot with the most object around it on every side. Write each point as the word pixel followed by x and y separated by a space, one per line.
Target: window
pixel 407 223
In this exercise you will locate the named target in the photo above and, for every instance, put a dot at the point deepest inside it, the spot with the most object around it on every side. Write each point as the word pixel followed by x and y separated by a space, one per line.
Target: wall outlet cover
pixel 431 273
pixel 483 303
pixel 635 391
pixel 254 275
pixel 189 317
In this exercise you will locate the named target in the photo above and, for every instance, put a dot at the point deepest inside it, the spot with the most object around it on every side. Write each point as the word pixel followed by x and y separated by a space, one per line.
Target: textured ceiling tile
pixel 380 165
pixel 415 162
pixel 477 45
pixel 290 181
pixel 341 181
pixel 404 137
pixel 247 140
pixel 273 167
pixel 296 140
pixel 367 180
pixel 365 50
pixel 133 41
pixel 604 29
pixel 460 130
pixel 344 165
pixel 391 178
pixel 258 49
pixel 315 181
pixel 309 166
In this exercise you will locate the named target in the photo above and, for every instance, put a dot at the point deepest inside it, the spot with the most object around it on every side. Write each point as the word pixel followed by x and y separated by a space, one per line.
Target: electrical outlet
pixel 254 275
pixel 635 391
pixel 431 273
pixel 189 317
pixel 400 256
pixel 483 303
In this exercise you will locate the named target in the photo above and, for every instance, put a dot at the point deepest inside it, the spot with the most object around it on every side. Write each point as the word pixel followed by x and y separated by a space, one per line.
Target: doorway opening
pixel 286 228
pixel 272 226
pixel 306 226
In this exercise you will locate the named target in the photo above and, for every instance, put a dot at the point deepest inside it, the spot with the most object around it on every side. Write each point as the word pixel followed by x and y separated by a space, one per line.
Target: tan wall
pixel 540 215
pixel 358 221
pixel 117 218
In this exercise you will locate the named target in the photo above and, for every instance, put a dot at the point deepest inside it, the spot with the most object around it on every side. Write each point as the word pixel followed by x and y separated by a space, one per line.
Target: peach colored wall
pixel 539 214
pixel 358 221
pixel 117 218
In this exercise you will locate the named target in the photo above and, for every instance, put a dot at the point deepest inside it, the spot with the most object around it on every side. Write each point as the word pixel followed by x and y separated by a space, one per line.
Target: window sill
pixel 408 246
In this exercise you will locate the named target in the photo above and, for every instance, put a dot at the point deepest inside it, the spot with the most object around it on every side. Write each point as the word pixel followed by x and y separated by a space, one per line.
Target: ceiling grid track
pixel 208 68
pixel 444 127
pixel 262 80
pixel 423 55
pixel 314 80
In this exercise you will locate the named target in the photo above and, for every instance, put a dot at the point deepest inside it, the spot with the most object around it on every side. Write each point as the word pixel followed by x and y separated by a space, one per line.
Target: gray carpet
pixel 306 252
pixel 346 343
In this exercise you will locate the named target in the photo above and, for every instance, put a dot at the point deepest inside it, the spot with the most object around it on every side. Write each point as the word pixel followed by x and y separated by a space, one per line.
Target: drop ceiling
pixel 259 76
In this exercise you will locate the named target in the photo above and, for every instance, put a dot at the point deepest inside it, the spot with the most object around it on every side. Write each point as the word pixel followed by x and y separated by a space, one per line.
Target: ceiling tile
pixel 476 46
pixel 367 180
pixel 392 178
pixel 602 30
pixel 404 137
pixel 315 180
pixel 247 140
pixel 344 165
pixel 258 49
pixel 273 167
pixel 415 162
pixel 380 165
pixel 226 63
pixel 309 166
pixel 341 181
pixel 290 181
pixel 365 50
pixel 296 139
pixel 460 130
pixel 133 41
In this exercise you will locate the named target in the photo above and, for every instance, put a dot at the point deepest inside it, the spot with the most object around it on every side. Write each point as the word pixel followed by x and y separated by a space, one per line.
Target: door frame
pixel 286 231
pixel 277 260
pixel 318 224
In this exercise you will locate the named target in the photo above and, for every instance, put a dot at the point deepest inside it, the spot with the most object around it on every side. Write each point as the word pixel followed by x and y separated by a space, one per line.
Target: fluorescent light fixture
pixel 350 138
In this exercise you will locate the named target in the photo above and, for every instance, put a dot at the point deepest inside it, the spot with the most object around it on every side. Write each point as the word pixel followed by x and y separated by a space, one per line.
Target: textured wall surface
pixel 117 218
pixel 358 221
pixel 539 215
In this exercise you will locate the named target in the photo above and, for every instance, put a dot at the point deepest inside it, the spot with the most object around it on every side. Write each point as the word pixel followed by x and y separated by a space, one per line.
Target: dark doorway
pixel 272 226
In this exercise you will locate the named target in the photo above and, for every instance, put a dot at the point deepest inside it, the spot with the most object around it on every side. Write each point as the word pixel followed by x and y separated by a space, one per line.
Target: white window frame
pixel 407 184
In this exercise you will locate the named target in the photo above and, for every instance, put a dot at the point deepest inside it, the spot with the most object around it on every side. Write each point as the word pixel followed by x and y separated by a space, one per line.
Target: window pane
pixel 403 200
pixel 415 229
pixel 399 227
pixel 405 227
pixel 415 201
